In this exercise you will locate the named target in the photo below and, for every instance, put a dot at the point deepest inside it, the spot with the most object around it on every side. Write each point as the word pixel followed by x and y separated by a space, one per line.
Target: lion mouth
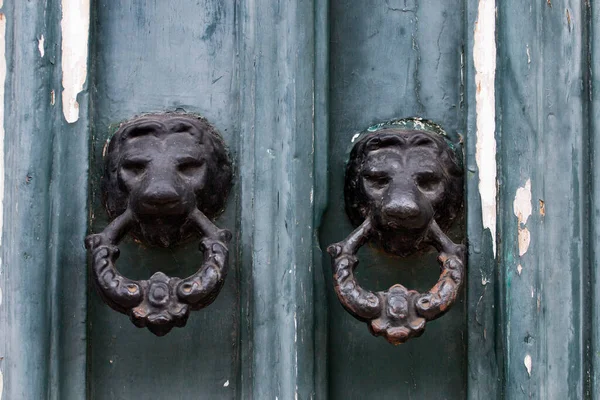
pixel 164 207
pixel 413 224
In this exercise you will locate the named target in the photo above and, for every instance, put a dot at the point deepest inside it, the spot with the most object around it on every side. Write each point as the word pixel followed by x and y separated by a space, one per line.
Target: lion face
pixel 161 167
pixel 162 175
pixel 402 180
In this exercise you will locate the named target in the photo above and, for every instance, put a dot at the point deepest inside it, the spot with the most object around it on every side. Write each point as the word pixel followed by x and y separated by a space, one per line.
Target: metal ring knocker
pixel 165 175
pixel 403 189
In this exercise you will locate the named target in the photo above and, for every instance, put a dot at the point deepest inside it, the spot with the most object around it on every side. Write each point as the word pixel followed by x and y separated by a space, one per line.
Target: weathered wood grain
pixel 42 277
pixel 544 167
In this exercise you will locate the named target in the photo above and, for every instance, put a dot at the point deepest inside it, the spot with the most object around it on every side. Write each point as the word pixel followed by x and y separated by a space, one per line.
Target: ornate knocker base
pixel 403 188
pixel 164 174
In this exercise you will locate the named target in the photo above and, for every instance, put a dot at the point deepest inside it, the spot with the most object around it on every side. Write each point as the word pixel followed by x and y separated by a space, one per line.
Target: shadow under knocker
pixel 403 189
pixel 166 175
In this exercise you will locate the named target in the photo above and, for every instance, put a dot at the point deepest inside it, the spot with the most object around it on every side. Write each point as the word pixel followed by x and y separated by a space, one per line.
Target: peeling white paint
pixel 75 27
pixel 1 384
pixel 519 269
pixel 527 363
pixel 52 97
pixel 226 384
pixel 484 58
pixel 528 56
pixel 355 137
pixel 522 209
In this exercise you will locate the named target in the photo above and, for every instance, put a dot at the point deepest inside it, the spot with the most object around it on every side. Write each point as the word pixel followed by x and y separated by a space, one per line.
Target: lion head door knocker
pixel 403 188
pixel 166 175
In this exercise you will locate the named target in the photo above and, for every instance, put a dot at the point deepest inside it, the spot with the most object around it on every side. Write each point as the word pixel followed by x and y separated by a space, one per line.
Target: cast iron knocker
pixel 403 189
pixel 166 175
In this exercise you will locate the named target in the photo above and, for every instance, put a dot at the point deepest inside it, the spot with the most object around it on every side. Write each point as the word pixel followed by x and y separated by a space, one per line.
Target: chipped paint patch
pixel 41 41
pixel 484 57
pixel 75 27
pixel 41 47
pixel 52 97
pixel 522 208
pixel 519 269
pixel 542 208
pixel 527 362
pixel 226 384
pixel 1 384
pixel 355 137
pixel 524 239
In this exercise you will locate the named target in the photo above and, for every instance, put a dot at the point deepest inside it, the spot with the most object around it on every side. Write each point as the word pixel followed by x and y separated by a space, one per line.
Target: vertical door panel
pixel 544 197
pixel 391 59
pixel 151 57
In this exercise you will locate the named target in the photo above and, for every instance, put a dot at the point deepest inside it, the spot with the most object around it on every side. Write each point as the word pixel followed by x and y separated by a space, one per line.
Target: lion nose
pixel 402 207
pixel 161 195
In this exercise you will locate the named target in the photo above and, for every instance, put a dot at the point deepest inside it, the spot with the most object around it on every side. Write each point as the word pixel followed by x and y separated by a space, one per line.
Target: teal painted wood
pixel 391 59
pixel 321 118
pixel 594 221
pixel 42 315
pixel 543 87
pixel 278 149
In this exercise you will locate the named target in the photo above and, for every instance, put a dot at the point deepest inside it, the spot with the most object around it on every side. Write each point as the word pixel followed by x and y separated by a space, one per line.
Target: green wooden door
pixel 288 84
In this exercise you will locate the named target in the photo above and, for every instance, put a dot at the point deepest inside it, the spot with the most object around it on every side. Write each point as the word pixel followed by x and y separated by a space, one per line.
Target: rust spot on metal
pixel 542 208
pixel 549 2
pixel 568 19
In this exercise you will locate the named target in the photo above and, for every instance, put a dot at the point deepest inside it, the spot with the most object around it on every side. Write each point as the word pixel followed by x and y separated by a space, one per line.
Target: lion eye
pixel 428 182
pixel 134 167
pixel 189 167
pixel 379 180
